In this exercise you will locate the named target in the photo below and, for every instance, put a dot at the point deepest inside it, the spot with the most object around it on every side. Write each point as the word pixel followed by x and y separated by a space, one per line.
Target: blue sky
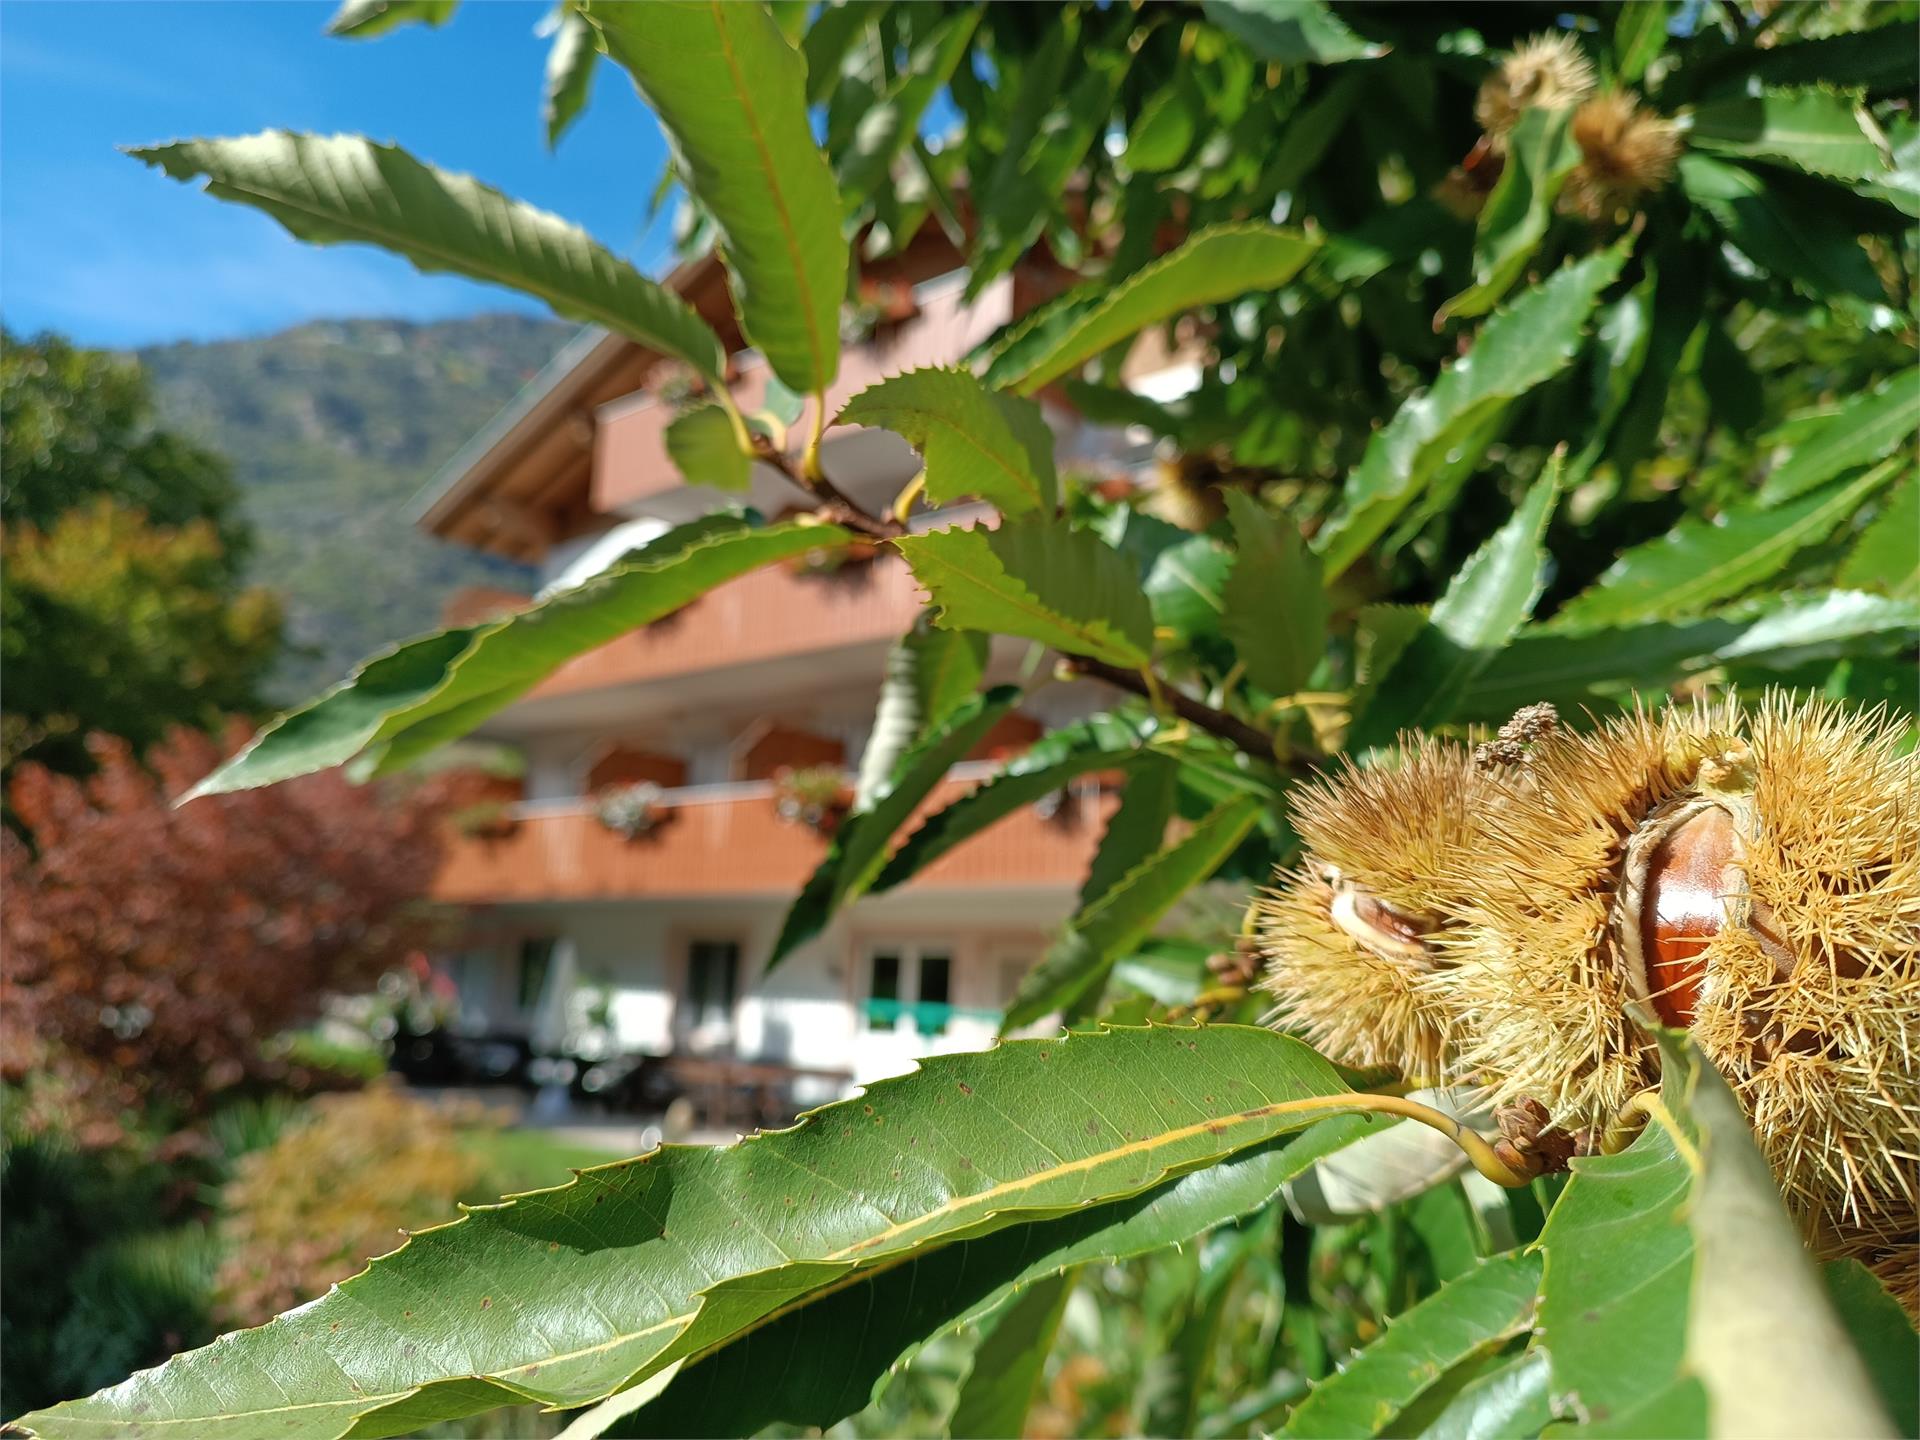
pixel 112 253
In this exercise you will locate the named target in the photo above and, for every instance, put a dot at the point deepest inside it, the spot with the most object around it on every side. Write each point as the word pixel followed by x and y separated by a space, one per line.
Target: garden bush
pixel 344 1183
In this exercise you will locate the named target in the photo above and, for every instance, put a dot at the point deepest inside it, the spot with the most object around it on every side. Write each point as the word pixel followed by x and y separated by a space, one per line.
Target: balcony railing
pixel 727 840
pixel 930 1018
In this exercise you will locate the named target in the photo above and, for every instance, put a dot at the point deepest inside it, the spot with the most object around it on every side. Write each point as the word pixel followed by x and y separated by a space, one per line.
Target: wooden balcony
pixel 767 615
pixel 726 840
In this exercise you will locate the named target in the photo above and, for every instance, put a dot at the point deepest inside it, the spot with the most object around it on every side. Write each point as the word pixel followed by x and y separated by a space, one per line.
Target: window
pixel 910 984
pixel 883 993
pixel 713 977
pixel 536 959
pixel 935 1006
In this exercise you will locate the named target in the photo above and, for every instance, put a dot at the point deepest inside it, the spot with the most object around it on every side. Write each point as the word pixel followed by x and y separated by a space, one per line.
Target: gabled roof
pixel 557 384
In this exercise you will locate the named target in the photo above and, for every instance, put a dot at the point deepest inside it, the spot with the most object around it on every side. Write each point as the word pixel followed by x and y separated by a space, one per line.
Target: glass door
pixel 909 989
pixel 704 1014
pixel 906 1006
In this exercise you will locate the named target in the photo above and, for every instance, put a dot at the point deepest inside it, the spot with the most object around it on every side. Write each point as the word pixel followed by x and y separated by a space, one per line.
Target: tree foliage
pixel 391 1162
pixel 121 604
pixel 116 625
pixel 1502 346
pixel 80 424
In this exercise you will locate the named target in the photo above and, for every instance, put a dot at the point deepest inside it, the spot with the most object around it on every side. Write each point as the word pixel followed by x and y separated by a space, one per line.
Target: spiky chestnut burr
pixel 1187 488
pixel 1548 72
pixel 1531 960
pixel 1352 935
pixel 1807 994
pixel 1626 151
pixel 1755 881
pixel 1524 914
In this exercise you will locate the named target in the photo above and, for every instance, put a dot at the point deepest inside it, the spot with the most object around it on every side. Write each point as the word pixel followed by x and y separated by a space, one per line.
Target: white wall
pixel 555 765
pixel 811 1011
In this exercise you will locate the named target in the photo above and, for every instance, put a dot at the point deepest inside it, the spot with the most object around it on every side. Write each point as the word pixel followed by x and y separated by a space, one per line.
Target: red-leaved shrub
pixel 150 951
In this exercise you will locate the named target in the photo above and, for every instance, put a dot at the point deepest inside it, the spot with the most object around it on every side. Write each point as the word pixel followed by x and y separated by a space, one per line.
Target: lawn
pixel 518 1160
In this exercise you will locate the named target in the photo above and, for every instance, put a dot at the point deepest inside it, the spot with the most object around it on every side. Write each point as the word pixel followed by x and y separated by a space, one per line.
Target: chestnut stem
pixel 1476 1146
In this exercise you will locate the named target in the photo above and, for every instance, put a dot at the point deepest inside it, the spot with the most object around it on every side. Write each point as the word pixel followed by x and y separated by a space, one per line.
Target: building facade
pixel 657 941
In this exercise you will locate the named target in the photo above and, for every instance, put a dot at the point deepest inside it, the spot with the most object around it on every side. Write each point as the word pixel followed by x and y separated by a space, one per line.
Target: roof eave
pixel 554 388
pixel 436 502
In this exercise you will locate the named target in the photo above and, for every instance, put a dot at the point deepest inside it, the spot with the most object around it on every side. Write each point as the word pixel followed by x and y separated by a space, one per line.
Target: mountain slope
pixel 332 427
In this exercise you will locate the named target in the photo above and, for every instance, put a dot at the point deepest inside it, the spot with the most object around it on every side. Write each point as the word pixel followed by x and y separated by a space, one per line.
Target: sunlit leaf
pixel 1186 586
pixel 835 1352
pixel 566 1295
pixel 1678 1299
pixel 1066 96
pixel 1165 130
pixel 1639 35
pixel 570 62
pixel 1528 342
pixel 1858 431
pixel 862 839
pixel 1699 562
pixel 1138 828
pixel 1214 265
pixel 705 448
pixel 1052 762
pixel 1886 557
pixel 1468 1316
pixel 1275 606
pixel 1037 579
pixel 930 673
pixel 1508 1400
pixel 730 92
pixel 1485 603
pixel 830 37
pixel 1605 665
pixel 1540 156
pixel 975 442
pixel 1126 913
pixel 1290 31
pixel 364 19
pixel 1007 1366
pixel 441 686
pixel 329 190
pixel 1815 130
pixel 886 127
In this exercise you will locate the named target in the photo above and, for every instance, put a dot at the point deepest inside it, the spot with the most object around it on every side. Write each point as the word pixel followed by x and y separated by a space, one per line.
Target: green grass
pixel 356 1062
pixel 518 1160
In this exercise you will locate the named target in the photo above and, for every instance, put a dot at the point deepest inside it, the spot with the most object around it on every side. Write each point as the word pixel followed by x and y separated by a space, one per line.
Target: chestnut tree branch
pixel 835 504
pixel 1237 732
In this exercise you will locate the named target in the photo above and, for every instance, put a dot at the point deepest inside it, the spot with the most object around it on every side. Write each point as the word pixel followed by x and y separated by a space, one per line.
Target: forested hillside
pixel 331 428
